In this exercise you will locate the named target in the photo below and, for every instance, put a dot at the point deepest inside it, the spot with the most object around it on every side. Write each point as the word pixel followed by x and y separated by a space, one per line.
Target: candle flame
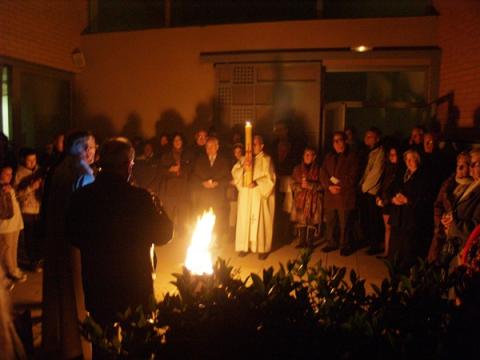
pixel 153 261
pixel 248 123
pixel 199 260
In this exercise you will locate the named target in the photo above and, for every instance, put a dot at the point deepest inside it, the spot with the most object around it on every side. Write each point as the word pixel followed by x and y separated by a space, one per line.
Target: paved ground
pixel 171 258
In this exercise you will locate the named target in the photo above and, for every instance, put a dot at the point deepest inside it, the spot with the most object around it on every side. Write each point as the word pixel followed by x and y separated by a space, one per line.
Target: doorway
pixel 392 101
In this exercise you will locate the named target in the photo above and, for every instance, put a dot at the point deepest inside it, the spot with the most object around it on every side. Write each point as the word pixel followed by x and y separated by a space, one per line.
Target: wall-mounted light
pixel 361 48
pixel 78 58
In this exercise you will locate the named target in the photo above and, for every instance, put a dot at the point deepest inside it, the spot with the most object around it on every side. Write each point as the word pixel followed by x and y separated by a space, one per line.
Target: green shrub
pixel 299 311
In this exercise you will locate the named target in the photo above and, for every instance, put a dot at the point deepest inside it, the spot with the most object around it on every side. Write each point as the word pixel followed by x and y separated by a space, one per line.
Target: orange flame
pixel 199 259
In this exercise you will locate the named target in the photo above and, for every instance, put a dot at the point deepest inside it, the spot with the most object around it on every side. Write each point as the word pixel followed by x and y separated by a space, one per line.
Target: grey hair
pixel 415 155
pixel 213 139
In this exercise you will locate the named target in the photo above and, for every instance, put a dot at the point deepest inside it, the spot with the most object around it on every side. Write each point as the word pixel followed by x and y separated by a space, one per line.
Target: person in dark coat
pixel 393 176
pixel 410 219
pixel 62 295
pixel 176 167
pixel 210 177
pixel 198 148
pixel 450 192
pixel 339 177
pixel 114 225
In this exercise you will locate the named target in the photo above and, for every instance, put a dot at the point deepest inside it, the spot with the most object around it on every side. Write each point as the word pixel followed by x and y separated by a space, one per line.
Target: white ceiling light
pixel 361 48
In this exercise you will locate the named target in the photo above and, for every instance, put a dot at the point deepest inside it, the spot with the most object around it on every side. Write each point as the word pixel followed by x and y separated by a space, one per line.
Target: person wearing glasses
pixel 465 215
pixel 339 177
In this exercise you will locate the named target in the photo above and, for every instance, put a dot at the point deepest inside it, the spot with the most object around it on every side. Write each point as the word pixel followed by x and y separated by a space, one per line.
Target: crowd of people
pixel 397 198
pixel 402 200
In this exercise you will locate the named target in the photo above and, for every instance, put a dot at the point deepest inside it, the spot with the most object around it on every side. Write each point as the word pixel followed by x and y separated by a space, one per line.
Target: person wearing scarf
pixel 450 191
pixel 307 192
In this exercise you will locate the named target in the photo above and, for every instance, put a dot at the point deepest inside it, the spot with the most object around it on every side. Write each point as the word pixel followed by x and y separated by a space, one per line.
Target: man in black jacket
pixel 114 224
pixel 210 177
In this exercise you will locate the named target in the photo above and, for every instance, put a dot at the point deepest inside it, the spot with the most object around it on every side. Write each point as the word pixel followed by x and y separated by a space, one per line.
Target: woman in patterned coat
pixel 307 190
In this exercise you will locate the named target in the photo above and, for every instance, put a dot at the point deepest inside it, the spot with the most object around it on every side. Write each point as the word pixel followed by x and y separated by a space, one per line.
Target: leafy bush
pixel 300 311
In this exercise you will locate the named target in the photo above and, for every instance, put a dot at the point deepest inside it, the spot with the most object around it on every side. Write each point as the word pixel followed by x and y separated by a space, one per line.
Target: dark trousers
pixel 282 226
pixel 337 219
pixel 402 246
pixel 371 221
pixel 29 249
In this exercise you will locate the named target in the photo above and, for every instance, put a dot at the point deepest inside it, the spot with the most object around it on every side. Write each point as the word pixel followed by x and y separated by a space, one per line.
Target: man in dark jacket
pixel 339 177
pixel 210 177
pixel 114 225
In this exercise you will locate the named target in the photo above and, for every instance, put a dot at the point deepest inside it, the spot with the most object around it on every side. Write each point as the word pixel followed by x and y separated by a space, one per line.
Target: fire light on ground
pixel 199 259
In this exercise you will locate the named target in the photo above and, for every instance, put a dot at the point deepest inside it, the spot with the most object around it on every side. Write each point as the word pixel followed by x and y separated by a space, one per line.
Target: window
pixel 6 101
pixel 265 93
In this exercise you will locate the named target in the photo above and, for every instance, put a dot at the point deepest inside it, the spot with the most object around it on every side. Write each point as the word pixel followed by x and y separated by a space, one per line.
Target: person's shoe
pixel 262 256
pixel 301 245
pixel 374 251
pixel 346 251
pixel 242 253
pixel 329 248
pixel 381 257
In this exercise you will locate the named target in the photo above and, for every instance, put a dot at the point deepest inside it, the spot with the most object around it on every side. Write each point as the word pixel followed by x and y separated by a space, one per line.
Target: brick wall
pixel 42 31
pixel 459 39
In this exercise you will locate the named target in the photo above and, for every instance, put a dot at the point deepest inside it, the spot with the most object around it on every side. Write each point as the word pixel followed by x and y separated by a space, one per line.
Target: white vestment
pixel 256 206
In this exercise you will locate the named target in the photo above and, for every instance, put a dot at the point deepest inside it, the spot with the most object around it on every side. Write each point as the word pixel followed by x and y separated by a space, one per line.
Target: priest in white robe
pixel 256 203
